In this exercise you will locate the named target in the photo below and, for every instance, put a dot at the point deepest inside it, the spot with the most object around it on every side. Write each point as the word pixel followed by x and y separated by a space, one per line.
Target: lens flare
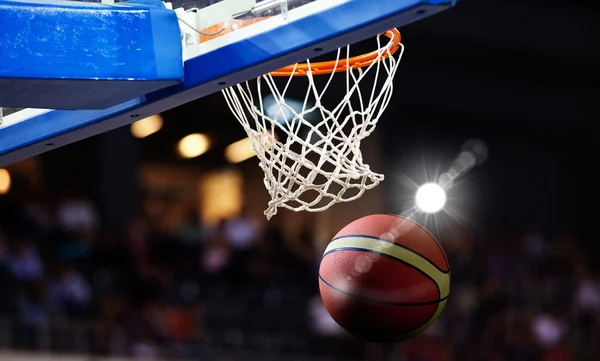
pixel 430 198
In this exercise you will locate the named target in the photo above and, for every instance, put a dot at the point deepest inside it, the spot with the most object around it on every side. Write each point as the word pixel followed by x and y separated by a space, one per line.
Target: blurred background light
pixel 430 198
pixel 5 181
pixel 147 126
pixel 239 151
pixel 193 145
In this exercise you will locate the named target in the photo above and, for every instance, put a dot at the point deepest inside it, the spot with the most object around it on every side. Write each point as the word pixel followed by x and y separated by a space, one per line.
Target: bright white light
pixel 430 198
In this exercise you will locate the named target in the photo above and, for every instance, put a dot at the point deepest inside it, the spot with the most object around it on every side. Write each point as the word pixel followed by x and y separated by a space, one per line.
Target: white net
pixel 309 151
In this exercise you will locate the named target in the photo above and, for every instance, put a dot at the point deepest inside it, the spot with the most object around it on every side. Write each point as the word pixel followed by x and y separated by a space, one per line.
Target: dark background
pixel 519 75
pixel 522 76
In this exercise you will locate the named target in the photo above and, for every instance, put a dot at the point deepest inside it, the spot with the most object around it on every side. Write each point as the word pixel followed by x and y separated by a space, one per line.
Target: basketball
pixel 384 278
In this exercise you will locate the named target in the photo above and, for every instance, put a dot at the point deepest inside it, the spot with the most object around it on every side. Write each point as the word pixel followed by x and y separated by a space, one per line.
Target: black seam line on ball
pixel 408 335
pixel 433 238
pixel 437 307
pixel 390 242
pixel 386 303
pixel 390 257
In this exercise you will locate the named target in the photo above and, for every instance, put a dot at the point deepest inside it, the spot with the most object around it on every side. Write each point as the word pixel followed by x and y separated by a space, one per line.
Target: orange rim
pixel 329 67
pixel 319 68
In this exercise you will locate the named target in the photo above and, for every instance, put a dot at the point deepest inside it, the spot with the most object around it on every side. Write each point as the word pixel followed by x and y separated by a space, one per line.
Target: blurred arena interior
pixel 129 245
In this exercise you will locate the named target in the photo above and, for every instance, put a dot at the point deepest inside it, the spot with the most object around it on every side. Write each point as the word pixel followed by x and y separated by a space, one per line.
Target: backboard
pixel 81 82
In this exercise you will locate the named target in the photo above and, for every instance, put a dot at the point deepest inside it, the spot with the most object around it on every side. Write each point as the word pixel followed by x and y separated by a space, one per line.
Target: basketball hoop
pixel 311 165
pixel 335 66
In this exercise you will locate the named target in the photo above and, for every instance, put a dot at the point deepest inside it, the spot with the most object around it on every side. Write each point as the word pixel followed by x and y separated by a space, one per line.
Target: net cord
pixel 283 166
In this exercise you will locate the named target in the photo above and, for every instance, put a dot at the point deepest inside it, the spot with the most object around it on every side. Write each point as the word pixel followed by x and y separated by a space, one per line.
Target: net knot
pixel 310 150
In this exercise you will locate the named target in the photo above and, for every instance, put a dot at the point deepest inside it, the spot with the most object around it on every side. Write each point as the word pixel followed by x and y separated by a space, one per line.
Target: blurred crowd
pixel 193 291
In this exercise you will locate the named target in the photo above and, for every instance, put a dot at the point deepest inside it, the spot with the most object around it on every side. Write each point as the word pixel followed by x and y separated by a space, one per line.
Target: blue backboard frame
pixel 82 55
pixel 349 22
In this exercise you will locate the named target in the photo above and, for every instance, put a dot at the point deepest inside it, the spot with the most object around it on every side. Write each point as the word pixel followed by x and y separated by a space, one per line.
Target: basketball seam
pixel 386 303
pixel 388 241
pixel 433 238
pixel 409 335
pixel 439 291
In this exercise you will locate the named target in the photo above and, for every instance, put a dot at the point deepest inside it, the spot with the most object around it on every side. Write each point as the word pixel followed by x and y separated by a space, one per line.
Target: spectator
pixel 550 328
pixel 191 231
pixel 517 297
pixel 321 323
pixel 241 232
pixel 24 261
pixel 428 347
pixel 35 307
pixel 78 248
pixel 145 349
pixel 329 336
pixel 561 352
pixel 35 312
pixel 70 292
pixel 3 248
pixel 217 253
pixel 77 214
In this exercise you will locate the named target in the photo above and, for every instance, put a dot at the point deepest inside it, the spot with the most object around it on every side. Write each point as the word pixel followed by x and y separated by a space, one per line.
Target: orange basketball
pixel 384 278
